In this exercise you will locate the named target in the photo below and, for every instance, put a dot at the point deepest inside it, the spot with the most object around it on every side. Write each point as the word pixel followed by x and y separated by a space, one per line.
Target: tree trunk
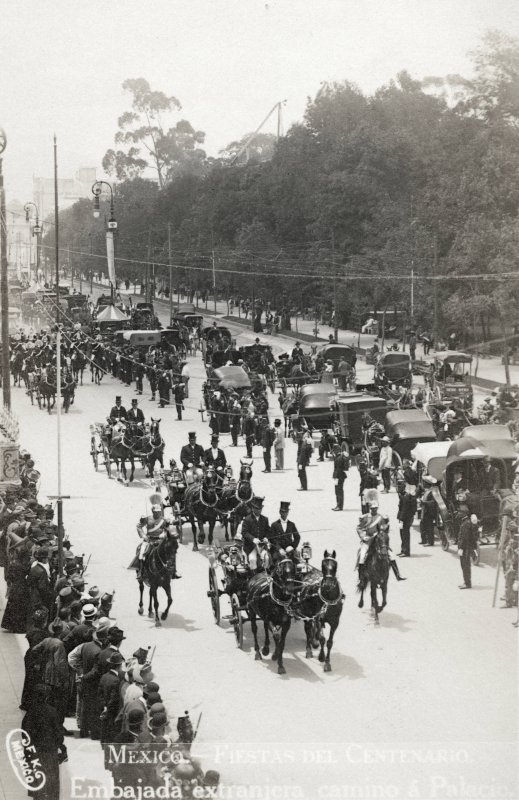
pixel 505 350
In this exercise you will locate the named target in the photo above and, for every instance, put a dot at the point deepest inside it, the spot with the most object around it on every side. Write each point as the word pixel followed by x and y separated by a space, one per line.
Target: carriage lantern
pixel 211 556
pixel 306 552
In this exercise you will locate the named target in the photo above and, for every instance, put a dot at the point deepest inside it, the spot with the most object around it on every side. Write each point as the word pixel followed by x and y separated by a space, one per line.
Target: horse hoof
pixel 282 671
pixel 321 657
pixel 309 653
pixel 274 656
pixel 126 483
pixel 361 603
pixel 195 548
pixel 158 623
pixel 257 657
pixel 164 615
pixel 140 611
pixel 150 614
pixel 327 667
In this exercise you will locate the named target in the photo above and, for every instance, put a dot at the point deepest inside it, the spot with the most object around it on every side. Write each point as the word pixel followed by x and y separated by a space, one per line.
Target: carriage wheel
pixel 95 454
pixel 213 595
pixel 108 465
pixel 237 620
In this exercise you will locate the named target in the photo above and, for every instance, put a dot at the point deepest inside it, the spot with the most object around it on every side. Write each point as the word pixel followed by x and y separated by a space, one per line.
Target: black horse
pixel 78 363
pixel 200 501
pixel 269 597
pixel 121 451
pixel 375 571
pixel 234 497
pixel 157 445
pixel 320 603
pixel 157 571
pixel 48 387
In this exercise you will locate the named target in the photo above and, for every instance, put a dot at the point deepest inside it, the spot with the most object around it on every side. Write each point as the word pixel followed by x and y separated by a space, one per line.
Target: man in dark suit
pixel 255 526
pixel 192 453
pixel 118 411
pixel 109 698
pixel 214 456
pixel 283 533
pixel 38 582
pixel 341 464
pixel 135 415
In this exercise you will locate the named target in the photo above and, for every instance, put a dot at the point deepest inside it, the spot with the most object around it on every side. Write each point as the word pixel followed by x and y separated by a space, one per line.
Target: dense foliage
pixel 420 176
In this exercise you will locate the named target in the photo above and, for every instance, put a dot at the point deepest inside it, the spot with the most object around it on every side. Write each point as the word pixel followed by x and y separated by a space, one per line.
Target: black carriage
pixel 351 410
pixel 450 378
pixel 337 353
pixel 405 429
pixel 317 405
pixel 190 319
pixel 471 494
pixel 393 369
pixel 230 378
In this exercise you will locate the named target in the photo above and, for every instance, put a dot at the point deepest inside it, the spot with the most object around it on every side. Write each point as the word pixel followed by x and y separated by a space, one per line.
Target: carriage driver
pixel 118 411
pixel 152 529
pixel 370 526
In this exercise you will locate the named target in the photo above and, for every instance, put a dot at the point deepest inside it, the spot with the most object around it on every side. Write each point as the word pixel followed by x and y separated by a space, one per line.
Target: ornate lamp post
pixel 97 189
pixel 36 231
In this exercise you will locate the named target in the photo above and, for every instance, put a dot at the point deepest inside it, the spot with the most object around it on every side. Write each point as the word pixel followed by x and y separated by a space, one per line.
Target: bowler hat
pixel 152 699
pixel 157 708
pixel 257 502
pixel 150 687
pixel 135 716
pixel 115 634
pixel 158 720
pixel 115 659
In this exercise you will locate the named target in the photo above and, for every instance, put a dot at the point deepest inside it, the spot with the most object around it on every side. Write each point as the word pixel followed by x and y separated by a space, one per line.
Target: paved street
pixel 424 677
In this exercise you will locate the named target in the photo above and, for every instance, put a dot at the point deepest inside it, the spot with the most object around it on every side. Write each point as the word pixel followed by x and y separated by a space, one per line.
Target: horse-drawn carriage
pixel 261 364
pixel 352 409
pixel 316 405
pixel 450 378
pixel 393 369
pixel 337 353
pixel 121 442
pixel 481 456
pixel 143 317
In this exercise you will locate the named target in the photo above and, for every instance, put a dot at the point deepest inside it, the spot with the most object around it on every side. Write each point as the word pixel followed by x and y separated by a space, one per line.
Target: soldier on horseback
pixel 370 526
pixel 152 529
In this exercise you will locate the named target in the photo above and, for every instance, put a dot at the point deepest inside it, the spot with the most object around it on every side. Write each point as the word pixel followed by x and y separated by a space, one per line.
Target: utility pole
pixel 170 277
pixel 4 288
pixel 58 359
pixel 147 293
pixel 412 293
pixel 71 267
pixel 335 324
pixel 435 289
pixel 214 270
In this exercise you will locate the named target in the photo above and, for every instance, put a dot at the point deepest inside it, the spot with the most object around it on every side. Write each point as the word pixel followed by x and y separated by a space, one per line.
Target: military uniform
pixel 370 526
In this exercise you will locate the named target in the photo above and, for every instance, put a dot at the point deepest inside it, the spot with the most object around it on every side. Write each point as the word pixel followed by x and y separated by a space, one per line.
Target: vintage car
pixel 408 428
pixel 450 378
pixel 393 369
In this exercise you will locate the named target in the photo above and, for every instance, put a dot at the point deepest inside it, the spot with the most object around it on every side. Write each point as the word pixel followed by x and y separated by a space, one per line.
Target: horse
pixel 200 501
pixel 121 451
pixel 234 497
pixel 157 569
pixel 68 389
pixel 319 602
pixel 48 387
pixel 375 571
pixel 17 364
pixel 78 363
pixel 157 445
pixel 269 597
pixel 97 365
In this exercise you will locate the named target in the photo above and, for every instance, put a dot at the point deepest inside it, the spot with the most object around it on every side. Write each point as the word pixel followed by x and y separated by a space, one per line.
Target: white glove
pixel 336 481
pixel 190 466
pixel 256 541
pixel 460 552
pixel 289 549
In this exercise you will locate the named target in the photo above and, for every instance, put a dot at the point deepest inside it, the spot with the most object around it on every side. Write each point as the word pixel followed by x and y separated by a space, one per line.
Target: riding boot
pixel 394 567
pixel 175 574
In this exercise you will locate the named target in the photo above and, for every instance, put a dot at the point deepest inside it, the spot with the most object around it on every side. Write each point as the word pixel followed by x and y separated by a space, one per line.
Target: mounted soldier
pixel 370 526
pixel 151 529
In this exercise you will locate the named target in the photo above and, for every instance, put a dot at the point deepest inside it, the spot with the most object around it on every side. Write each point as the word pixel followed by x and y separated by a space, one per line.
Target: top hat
pixel 257 502
pixel 192 435
pixel 118 397
pixel 284 505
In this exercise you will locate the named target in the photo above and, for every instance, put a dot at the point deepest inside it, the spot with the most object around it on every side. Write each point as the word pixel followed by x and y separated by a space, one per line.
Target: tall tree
pixel 147 139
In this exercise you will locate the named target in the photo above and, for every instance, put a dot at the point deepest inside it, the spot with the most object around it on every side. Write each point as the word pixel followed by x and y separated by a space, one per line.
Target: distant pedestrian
pixel 303 461
pixel 385 462
pixel 279 445
pixel 406 513
pixel 341 465
pixel 467 546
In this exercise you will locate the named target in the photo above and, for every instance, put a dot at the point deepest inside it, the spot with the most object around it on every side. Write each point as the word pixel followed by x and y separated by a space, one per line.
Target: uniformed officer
pixel 370 526
pixel 118 411
pixel 283 532
pixel 192 454
pixel 152 529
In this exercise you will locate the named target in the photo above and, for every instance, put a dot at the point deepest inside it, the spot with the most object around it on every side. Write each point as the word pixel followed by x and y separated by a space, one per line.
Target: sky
pixel 62 63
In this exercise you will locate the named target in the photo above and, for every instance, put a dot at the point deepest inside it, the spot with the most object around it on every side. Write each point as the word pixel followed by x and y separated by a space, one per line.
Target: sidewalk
pixel 490 373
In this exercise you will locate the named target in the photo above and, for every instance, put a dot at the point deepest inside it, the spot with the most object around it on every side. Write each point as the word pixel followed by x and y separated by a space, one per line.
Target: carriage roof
pixel 433 456
pixel 334 352
pixel 468 447
pixel 232 378
pixel 394 359
pixel 486 433
pixel 313 389
pixel 452 357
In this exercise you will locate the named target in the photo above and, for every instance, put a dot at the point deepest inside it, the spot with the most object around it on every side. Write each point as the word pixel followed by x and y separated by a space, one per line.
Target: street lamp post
pixel 4 288
pixel 36 231
pixel 97 189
